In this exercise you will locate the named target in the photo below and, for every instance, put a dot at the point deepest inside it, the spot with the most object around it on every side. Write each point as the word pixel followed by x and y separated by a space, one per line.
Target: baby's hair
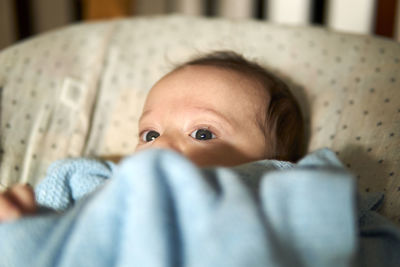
pixel 284 124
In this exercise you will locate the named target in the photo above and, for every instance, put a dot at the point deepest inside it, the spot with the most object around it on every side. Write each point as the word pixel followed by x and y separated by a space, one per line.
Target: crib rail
pixel 22 18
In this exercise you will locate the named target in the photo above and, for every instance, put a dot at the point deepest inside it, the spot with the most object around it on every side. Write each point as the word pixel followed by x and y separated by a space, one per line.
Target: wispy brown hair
pixel 284 124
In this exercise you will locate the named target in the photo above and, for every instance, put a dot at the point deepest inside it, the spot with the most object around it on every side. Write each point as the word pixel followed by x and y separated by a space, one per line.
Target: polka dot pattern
pixel 37 115
pixel 80 90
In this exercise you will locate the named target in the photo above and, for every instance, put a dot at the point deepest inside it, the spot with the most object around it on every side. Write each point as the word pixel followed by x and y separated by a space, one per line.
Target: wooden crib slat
pixel 51 14
pixel 237 9
pixel 397 22
pixel 385 17
pixel 150 7
pixel 289 11
pixel 8 28
pixel 103 9
pixel 189 7
pixel 351 16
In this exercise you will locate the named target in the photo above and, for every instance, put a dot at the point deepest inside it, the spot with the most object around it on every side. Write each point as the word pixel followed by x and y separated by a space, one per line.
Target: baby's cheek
pixel 141 146
pixel 138 147
pixel 217 155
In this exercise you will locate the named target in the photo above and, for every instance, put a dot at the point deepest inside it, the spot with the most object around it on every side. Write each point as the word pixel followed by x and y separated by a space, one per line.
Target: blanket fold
pixel 161 210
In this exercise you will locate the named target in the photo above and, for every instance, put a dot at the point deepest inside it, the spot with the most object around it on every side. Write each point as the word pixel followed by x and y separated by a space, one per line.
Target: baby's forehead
pixel 219 87
pixel 247 80
pixel 211 82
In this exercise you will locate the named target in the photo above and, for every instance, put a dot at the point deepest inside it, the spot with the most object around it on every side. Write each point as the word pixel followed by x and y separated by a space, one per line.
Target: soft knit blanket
pixel 161 210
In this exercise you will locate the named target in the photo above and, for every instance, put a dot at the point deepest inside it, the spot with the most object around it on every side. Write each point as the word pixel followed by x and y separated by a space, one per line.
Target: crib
pixel 78 91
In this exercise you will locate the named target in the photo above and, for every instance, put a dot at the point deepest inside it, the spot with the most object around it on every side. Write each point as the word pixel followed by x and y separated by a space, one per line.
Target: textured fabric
pixel 69 180
pixel 79 91
pixel 160 210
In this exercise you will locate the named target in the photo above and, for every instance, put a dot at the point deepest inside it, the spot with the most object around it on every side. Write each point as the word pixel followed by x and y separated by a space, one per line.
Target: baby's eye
pixel 202 134
pixel 149 136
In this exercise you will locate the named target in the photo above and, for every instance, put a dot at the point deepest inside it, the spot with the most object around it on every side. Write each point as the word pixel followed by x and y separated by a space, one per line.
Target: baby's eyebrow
pixel 144 114
pixel 212 111
pixel 225 120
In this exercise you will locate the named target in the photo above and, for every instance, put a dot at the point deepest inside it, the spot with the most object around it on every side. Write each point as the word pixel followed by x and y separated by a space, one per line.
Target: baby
pixel 216 110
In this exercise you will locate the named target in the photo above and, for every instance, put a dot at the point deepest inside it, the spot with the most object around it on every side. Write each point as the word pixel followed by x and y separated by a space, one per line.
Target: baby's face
pixel 212 116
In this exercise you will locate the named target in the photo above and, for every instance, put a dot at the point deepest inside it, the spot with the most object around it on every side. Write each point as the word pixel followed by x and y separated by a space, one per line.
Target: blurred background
pixel 20 19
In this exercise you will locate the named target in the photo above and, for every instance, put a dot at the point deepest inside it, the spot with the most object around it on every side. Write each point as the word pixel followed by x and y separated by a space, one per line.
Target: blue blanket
pixel 160 210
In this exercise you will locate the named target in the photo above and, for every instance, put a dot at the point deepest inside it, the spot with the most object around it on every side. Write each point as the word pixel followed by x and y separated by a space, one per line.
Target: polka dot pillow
pixel 79 90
